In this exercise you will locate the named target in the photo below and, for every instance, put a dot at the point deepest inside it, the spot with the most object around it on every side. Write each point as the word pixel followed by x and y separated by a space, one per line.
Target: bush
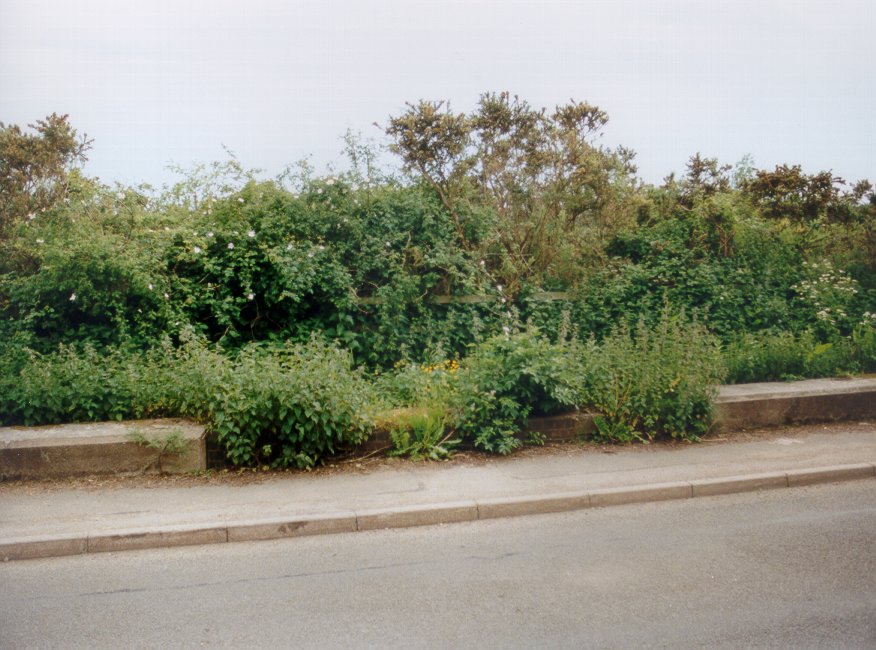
pixel 780 356
pixel 70 385
pixel 284 406
pixel 503 380
pixel 291 406
pixel 653 381
pixel 410 384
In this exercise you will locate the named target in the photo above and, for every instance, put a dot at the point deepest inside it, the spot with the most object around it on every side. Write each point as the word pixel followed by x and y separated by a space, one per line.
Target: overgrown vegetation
pixel 518 267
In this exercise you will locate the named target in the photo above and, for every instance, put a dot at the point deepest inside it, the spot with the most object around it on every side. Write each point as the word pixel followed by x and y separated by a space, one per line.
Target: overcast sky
pixel 159 81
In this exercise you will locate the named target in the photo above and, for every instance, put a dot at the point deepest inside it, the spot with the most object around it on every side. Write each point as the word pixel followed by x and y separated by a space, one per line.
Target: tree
pixel 788 193
pixel 551 192
pixel 35 167
pixel 705 177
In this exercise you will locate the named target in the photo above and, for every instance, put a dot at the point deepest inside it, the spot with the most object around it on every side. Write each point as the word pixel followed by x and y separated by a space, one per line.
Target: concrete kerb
pixel 423 515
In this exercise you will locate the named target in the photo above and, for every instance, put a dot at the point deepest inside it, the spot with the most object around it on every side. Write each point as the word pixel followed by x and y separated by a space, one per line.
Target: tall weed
pixel 650 382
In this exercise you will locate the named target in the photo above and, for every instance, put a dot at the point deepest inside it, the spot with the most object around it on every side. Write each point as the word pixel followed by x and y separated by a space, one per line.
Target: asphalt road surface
pixel 783 569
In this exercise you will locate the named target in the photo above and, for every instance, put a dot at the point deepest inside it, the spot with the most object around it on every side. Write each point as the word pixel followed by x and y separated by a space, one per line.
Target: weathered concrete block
pixel 421 515
pixel 166 536
pixel 566 427
pixel 99 448
pixel 27 548
pixel 748 406
pixel 531 505
pixel 640 494
pixel 735 484
pixel 248 531
pixel 831 474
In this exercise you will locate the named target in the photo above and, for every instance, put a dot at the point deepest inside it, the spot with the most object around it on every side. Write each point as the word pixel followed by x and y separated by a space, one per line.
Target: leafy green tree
pixel 529 191
pixel 35 167
pixel 705 177
pixel 787 192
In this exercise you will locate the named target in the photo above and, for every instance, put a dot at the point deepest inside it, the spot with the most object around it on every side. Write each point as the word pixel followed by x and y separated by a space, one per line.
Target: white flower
pixel 41 241
pixel 310 254
pixel 503 301
pixel 506 329
pixel 250 234
pixel 483 263
pixel 166 296
pixel 209 234
pixel 72 297
pixel 231 245
pixel 31 216
pixel 240 199
pixel 319 191
pixel 321 247
pixel 499 287
pixel 197 250
pixel 250 296
pixel 388 245
pixel 167 228
pixel 288 247
pixel 151 287
pixel 121 196
pixel 330 182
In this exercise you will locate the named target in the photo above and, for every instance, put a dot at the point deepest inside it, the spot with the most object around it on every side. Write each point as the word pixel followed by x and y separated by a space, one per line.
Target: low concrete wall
pixel 107 447
pixel 768 404
pixel 97 448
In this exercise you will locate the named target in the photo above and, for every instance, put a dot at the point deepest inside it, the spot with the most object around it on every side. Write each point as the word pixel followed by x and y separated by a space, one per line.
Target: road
pixel 786 568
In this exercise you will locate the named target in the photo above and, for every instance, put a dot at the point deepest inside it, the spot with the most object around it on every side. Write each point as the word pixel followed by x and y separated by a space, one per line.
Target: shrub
pixel 779 356
pixel 284 406
pixel 291 406
pixel 503 380
pixel 71 385
pixel 410 384
pixel 653 381
pixel 767 356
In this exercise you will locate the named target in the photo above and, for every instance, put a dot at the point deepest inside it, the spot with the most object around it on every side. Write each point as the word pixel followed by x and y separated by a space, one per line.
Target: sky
pixel 156 82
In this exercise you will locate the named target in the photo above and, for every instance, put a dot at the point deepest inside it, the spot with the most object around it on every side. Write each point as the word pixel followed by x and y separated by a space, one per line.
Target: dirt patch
pixel 378 461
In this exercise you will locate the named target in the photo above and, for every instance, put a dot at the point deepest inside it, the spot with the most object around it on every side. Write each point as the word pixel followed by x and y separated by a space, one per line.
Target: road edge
pixel 47 546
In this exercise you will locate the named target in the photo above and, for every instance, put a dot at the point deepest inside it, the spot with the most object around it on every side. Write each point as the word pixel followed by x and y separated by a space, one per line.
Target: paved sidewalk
pixel 53 522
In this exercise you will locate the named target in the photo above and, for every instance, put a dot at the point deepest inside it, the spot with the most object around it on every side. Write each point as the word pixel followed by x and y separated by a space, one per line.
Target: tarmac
pixel 59 521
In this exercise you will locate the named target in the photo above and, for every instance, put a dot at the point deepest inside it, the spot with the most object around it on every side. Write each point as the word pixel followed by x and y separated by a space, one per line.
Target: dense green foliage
pixel 214 298
pixel 653 381
pixel 503 380
pixel 289 405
